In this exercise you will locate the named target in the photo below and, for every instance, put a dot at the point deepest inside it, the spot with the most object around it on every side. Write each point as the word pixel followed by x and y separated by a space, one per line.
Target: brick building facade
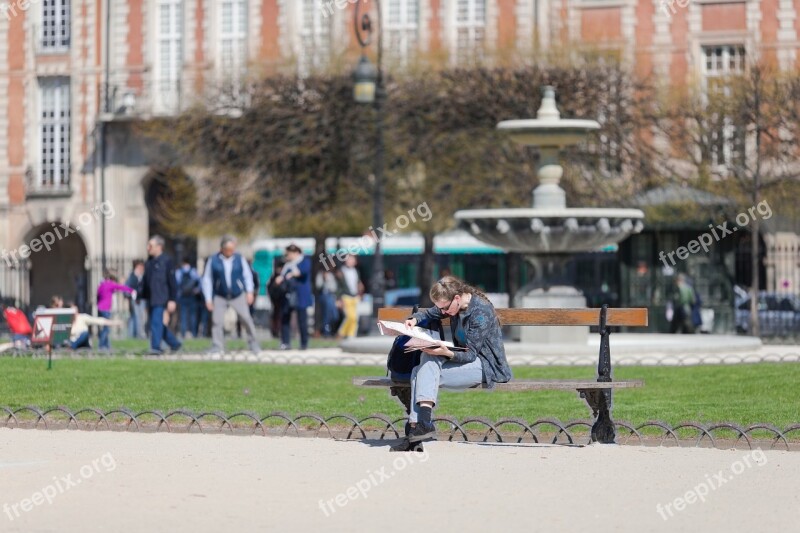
pixel 158 56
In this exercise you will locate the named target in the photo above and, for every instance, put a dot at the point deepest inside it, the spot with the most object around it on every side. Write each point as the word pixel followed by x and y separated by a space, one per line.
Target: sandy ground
pixel 106 481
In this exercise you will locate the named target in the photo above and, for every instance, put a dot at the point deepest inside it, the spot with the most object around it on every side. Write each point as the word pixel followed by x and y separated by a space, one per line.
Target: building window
pixel 315 37
pixel 470 31
pixel 169 43
pixel 55 25
pixel 726 140
pixel 232 52
pixel 54 134
pixel 233 37
pixel 402 25
pixel 721 62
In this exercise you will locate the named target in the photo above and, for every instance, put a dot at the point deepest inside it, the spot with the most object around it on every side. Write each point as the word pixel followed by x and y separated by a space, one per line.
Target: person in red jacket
pixel 19 327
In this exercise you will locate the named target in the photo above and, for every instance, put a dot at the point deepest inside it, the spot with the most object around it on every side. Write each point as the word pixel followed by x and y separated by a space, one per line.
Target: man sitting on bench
pixel 476 328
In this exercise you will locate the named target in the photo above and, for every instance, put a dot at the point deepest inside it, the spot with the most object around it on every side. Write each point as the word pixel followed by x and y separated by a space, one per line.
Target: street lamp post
pixel 368 89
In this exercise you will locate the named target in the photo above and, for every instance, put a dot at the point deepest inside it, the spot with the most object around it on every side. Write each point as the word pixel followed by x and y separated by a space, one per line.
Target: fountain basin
pixel 548 132
pixel 554 230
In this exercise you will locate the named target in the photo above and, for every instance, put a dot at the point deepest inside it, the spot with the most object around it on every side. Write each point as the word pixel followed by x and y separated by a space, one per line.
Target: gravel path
pixel 85 481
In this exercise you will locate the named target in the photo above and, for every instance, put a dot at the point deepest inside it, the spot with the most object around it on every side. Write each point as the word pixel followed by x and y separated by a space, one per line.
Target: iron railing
pixel 383 427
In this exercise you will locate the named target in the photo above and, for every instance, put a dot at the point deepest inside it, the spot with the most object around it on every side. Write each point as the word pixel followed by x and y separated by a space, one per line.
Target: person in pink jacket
pixel 105 293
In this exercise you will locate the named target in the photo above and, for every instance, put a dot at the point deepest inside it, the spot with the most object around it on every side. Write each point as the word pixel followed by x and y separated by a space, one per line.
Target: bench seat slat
pixel 522 384
pixel 545 317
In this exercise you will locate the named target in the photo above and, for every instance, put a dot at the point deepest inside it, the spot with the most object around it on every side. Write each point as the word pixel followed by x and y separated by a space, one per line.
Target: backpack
pixel 399 364
pixel 188 284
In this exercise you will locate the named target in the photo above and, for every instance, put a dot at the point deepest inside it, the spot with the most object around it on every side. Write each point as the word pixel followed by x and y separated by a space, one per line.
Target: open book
pixel 419 337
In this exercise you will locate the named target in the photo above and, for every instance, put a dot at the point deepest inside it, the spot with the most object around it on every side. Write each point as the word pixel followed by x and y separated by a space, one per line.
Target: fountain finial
pixel 548 110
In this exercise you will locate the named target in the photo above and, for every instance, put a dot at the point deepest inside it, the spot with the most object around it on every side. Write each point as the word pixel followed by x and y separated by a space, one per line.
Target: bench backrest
pixel 545 317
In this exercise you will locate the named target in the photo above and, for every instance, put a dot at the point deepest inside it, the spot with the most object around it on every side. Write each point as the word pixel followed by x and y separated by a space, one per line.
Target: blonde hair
pixel 449 286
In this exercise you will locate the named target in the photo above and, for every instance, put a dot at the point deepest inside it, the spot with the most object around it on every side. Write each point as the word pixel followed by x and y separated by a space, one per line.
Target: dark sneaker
pixel 406 446
pixel 422 432
pixel 177 349
pixel 155 352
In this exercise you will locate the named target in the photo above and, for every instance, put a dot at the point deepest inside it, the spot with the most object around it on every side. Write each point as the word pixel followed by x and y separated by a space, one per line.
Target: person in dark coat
pixel 137 305
pixel 276 295
pixel 160 289
pixel 295 278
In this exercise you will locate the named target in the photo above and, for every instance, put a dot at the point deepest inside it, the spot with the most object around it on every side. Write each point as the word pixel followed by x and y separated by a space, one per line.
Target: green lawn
pixel 742 394
pixel 141 346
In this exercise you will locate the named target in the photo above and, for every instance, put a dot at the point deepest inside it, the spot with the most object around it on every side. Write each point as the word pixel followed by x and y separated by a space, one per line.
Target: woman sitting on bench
pixel 475 327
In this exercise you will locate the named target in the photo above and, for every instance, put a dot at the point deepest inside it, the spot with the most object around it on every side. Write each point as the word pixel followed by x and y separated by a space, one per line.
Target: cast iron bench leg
pixel 599 401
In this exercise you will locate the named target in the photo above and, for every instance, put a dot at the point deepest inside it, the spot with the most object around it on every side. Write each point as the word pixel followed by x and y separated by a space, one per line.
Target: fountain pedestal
pixel 557 297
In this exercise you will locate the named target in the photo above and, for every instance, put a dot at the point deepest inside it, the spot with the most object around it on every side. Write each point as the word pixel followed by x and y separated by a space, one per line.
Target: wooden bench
pixel 597 393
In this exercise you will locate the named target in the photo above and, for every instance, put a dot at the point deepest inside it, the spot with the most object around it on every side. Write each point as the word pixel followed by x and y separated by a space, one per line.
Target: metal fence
pixel 383 427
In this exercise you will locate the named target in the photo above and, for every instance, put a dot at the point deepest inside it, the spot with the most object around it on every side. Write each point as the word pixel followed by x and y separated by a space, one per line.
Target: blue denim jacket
pixel 477 328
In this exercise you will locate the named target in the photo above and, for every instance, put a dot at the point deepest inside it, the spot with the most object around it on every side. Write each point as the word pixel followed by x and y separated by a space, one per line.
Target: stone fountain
pixel 550 233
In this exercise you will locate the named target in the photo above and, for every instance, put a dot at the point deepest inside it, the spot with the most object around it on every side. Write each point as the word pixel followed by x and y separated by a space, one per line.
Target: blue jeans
pixel 330 314
pixel 202 323
pixel 433 372
pixel 137 320
pixel 159 332
pixel 286 326
pixel 104 342
pixel 81 342
pixel 188 315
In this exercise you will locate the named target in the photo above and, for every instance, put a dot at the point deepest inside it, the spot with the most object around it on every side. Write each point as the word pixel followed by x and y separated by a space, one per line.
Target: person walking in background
pixel 252 307
pixel 295 279
pixel 228 282
pixel 105 297
pixel 683 298
pixel 328 288
pixel 188 288
pixel 350 287
pixel 276 295
pixel 161 291
pixel 137 305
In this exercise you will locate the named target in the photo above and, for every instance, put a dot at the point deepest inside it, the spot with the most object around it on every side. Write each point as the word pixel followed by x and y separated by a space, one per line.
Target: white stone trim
pixel 694 52
pixel 288 36
pixel 5 171
pixel 662 42
pixel 787 35
pixel 120 35
pixel 628 23
pixel 574 20
pixel 424 28
pixel 255 27
pixel 752 39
